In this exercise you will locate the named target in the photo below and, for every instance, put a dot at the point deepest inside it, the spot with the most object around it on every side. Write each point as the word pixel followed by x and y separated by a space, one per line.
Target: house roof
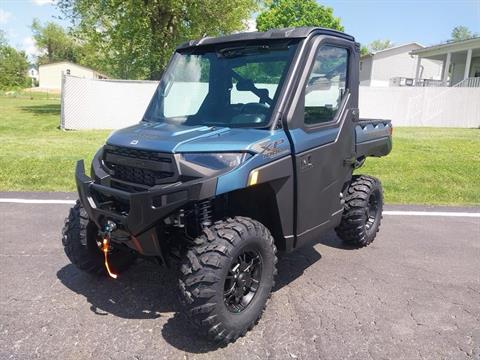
pixel 449 46
pixel 392 48
pixel 74 64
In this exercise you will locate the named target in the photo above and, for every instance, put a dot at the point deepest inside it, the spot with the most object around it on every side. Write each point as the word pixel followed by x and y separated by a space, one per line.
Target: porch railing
pixel 431 83
pixel 473 82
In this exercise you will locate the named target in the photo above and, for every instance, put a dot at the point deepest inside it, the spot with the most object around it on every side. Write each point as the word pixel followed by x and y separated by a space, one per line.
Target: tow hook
pixel 105 246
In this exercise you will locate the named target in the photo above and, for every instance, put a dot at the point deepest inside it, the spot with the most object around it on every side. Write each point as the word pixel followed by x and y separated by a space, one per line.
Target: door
pixel 323 139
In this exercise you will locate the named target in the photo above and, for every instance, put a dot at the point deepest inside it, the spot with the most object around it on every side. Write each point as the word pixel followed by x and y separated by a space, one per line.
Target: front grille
pixel 140 166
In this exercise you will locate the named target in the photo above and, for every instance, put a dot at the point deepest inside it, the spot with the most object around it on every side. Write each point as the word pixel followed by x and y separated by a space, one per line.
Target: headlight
pixel 214 161
pixel 219 161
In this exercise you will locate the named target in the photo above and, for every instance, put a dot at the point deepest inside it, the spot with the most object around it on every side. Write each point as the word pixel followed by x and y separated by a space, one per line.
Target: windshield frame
pixel 291 52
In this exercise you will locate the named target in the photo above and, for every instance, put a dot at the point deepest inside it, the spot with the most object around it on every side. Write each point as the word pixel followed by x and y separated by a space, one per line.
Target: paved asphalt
pixel 413 294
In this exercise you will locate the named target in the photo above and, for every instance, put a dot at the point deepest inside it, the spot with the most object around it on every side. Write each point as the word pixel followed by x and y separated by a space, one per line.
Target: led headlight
pixel 210 163
pixel 216 161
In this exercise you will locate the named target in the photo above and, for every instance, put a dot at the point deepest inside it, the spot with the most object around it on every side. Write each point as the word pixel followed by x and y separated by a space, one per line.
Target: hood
pixel 163 137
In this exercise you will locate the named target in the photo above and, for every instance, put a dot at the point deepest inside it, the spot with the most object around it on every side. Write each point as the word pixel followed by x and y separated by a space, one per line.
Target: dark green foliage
pixel 13 66
pixel 294 13
pixel 460 33
pixel 134 40
pixel 54 43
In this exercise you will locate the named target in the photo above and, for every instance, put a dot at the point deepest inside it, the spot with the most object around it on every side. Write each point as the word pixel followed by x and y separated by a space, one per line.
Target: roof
pixel 446 46
pixel 288 33
pixel 392 48
pixel 74 64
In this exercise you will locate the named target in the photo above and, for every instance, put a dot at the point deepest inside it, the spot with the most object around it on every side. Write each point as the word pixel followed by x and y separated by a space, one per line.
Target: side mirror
pixel 317 83
pixel 245 85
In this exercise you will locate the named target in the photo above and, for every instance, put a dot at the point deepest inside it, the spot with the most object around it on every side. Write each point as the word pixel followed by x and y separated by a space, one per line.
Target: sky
pixel 427 22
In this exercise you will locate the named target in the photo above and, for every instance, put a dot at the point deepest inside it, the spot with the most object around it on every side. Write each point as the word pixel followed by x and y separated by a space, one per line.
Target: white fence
pixel 113 104
pixel 103 104
pixel 422 106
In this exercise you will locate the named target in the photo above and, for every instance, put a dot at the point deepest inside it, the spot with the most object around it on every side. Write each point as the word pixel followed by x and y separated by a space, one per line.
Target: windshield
pixel 228 86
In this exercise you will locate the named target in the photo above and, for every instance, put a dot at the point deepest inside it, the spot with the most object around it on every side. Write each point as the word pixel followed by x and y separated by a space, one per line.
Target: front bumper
pixel 145 208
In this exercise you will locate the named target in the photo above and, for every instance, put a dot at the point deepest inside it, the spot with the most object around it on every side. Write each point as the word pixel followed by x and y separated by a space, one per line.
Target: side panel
pixel 322 173
pixel 273 162
pixel 279 174
pixel 322 151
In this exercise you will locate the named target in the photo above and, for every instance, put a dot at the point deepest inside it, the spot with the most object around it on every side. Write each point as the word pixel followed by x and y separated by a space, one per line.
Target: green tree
pixel 54 43
pixel 135 39
pixel 293 13
pixel 462 33
pixel 13 66
pixel 378 45
pixel 374 46
pixel 364 50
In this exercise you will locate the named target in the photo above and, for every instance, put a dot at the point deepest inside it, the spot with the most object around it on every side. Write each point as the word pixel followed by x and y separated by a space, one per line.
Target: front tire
pixel 227 276
pixel 79 239
pixel 362 212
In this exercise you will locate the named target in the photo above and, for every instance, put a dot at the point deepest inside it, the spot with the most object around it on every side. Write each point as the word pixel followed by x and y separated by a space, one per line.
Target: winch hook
pixel 105 246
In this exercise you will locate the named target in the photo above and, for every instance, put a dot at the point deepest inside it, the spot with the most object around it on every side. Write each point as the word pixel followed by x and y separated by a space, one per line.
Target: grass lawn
pixel 430 166
pixel 427 165
pixel 34 153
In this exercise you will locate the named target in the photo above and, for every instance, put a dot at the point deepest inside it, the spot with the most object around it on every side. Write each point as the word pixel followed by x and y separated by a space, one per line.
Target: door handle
pixel 306 162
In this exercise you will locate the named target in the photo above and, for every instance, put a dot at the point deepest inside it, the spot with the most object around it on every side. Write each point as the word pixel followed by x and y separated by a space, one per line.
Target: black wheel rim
pixel 372 210
pixel 242 281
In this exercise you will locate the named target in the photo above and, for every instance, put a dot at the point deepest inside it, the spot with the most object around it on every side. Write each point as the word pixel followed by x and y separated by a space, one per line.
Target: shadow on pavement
pixel 147 290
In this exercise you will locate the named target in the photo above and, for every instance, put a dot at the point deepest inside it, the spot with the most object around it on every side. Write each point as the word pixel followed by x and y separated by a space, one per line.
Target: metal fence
pixel 103 104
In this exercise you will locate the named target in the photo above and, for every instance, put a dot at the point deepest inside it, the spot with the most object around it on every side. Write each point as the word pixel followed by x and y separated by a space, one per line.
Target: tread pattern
pixel 352 228
pixel 74 234
pixel 201 268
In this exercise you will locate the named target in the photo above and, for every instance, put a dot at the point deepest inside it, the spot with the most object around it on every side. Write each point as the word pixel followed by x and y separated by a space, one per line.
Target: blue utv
pixel 248 146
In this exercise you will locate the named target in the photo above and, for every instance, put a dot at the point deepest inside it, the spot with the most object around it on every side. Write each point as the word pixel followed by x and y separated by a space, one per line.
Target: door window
pixel 326 84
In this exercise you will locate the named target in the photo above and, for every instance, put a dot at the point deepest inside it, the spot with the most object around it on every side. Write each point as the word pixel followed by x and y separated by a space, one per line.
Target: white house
pixel 396 67
pixel 32 73
pixel 460 62
pixel 50 75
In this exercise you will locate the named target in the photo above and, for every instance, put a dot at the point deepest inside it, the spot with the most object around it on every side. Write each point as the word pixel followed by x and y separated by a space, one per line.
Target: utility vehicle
pixel 248 146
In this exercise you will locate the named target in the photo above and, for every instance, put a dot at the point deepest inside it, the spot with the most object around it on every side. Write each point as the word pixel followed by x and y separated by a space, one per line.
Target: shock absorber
pixel 205 213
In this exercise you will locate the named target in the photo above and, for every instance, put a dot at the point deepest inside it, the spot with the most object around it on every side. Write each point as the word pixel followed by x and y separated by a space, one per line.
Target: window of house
pixel 326 84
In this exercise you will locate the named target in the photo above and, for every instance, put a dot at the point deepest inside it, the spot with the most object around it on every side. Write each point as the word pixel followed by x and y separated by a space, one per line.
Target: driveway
pixel 413 294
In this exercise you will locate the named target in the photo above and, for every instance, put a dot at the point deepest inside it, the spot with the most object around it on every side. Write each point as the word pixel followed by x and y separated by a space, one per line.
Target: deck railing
pixel 473 82
pixel 431 83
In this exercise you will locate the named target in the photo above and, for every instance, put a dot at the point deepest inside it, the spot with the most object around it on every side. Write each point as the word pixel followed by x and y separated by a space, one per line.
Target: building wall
pixel 365 70
pixel 50 76
pixel 458 67
pixel 399 63
pixel 475 67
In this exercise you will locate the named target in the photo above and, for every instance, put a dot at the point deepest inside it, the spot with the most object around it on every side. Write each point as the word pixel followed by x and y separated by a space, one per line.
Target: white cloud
pixel 30 46
pixel 5 16
pixel 43 2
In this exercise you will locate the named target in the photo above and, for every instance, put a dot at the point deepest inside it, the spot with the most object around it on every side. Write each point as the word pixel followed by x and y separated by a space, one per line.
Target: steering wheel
pixel 255 108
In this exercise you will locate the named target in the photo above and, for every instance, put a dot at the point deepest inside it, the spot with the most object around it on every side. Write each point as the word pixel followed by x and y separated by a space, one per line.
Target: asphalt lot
pixel 414 293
